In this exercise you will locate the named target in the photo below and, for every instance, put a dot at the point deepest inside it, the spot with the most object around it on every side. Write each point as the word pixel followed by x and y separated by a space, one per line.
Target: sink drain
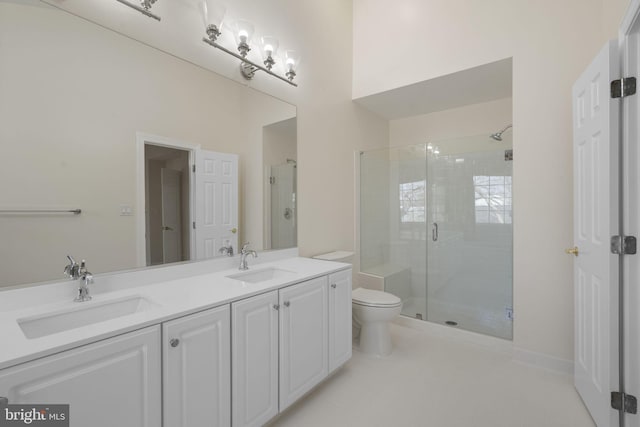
pixel 451 323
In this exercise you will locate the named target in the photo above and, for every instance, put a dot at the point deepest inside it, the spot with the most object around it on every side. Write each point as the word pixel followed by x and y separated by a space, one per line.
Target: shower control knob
pixel 174 342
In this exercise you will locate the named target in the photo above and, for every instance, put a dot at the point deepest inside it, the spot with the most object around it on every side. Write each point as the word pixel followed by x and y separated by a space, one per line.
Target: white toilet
pixel 372 312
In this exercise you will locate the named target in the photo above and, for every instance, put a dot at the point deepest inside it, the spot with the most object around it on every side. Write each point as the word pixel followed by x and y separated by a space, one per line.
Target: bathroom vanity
pixel 217 349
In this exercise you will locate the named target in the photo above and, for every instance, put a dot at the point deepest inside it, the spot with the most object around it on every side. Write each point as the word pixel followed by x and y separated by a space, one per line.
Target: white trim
pixel 143 138
pixel 628 42
pixel 544 361
pixel 629 20
pixel 356 220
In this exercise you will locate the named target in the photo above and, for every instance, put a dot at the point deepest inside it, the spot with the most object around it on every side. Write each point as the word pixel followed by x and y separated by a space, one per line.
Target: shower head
pixel 498 135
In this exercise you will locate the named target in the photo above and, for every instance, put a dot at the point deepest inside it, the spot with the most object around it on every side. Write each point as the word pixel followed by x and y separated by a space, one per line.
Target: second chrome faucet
pixel 244 252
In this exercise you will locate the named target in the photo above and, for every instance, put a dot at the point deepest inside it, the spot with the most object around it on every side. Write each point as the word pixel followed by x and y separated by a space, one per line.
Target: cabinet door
pixel 108 383
pixel 304 338
pixel 255 359
pixel 339 319
pixel 196 370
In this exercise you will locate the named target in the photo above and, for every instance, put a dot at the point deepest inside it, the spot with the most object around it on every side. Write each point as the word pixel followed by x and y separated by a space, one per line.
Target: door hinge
pixel 623 87
pixel 272 180
pixel 193 168
pixel 623 245
pixel 624 402
pixel 194 225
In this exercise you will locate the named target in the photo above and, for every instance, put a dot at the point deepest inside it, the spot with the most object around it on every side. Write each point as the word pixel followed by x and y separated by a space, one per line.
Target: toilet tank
pixel 337 256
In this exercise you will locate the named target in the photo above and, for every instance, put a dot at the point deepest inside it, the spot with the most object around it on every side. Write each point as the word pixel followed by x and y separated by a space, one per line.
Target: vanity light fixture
pixel 144 7
pixel 213 16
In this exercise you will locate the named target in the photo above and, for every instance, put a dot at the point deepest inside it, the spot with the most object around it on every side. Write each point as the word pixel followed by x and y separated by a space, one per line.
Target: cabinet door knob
pixel 287 303
pixel 276 307
pixel 174 342
pixel 333 285
pixel 4 400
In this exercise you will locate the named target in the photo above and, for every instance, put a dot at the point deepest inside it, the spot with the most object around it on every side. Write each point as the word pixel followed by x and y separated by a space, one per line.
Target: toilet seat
pixel 371 298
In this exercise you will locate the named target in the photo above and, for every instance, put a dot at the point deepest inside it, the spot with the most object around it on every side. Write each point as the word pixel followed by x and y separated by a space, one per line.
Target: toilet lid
pixel 373 298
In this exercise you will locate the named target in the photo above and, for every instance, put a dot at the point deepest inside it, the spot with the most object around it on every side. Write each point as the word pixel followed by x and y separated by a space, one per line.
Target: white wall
pixel 455 124
pixel 550 42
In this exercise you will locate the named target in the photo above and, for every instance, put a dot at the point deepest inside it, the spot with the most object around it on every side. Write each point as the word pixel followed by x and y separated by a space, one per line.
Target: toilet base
pixel 375 339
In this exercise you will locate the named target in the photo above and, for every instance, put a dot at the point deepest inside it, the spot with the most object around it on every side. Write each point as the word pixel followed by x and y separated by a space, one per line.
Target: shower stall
pixel 436 227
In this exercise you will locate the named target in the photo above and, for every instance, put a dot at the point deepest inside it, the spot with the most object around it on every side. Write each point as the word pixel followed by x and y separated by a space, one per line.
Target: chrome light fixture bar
pixel 144 7
pixel 247 67
pixel 213 14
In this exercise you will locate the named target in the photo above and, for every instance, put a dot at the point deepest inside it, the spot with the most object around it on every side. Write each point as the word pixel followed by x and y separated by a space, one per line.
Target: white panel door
pixel 170 181
pixel 216 202
pixel 112 382
pixel 303 338
pixel 595 158
pixel 196 369
pixel 255 359
pixel 339 319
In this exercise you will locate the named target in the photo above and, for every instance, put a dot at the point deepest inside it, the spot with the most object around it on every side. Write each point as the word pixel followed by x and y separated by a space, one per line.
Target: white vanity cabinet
pixel 285 342
pixel 111 382
pixel 304 338
pixel 255 359
pixel 241 363
pixel 340 341
pixel 196 369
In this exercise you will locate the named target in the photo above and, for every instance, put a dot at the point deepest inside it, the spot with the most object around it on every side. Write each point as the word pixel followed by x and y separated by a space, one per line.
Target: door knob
pixel 165 228
pixel 572 251
pixel 174 342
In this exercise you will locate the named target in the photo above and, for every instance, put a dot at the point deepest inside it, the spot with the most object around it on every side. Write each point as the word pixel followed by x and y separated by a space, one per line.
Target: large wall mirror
pixel 93 120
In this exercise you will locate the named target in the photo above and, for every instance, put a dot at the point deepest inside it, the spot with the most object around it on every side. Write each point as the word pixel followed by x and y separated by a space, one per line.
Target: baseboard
pixel 544 361
pixel 521 355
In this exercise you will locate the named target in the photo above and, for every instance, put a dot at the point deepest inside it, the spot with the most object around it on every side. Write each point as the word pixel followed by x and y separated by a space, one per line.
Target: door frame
pixel 143 139
pixel 629 320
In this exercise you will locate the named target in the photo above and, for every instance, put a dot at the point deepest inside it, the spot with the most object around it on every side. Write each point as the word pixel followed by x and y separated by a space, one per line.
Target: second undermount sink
pixel 82 315
pixel 261 275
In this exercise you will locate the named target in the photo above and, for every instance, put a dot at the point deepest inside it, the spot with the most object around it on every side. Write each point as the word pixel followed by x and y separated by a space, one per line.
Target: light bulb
pixel 269 49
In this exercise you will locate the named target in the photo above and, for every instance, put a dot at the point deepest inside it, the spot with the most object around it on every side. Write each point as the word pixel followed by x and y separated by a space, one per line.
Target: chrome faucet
pixel 75 272
pixel 243 256
pixel 226 250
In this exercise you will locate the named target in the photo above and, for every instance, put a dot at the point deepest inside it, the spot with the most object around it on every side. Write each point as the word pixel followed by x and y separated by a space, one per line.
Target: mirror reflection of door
pixel 167 200
pixel 283 205
pixel 171 215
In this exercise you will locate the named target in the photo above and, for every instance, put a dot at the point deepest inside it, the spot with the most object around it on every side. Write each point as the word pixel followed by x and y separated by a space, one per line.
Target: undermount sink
pixel 82 315
pixel 261 275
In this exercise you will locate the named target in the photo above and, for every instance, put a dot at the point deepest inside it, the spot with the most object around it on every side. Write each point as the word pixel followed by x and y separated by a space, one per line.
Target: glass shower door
pixel 469 247
pixel 393 231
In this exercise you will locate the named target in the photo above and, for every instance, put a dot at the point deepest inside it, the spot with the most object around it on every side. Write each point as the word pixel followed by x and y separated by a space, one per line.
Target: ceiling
pixel 472 86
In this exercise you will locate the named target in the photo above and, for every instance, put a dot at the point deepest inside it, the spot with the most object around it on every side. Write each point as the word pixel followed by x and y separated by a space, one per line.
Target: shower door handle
pixel 434 232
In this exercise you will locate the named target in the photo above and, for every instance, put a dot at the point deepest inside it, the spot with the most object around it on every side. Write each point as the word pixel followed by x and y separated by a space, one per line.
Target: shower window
pixel 493 200
pixel 412 201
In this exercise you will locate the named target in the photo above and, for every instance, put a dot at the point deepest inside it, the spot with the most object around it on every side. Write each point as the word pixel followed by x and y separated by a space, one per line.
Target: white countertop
pixel 169 299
